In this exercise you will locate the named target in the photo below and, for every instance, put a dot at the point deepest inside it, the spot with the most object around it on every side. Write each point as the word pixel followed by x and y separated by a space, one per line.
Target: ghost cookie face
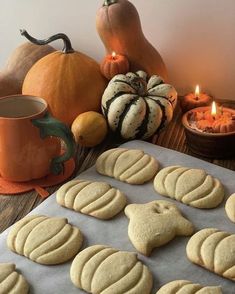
pixel 127 165
pixel 45 240
pixel 106 270
pixel 191 186
pixel 11 282
pixel 154 224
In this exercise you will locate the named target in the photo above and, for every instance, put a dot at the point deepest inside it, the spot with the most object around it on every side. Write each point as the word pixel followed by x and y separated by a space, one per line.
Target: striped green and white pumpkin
pixel 137 107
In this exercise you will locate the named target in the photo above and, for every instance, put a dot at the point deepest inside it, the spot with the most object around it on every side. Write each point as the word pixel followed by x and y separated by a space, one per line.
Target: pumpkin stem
pixel 109 2
pixel 139 85
pixel 67 44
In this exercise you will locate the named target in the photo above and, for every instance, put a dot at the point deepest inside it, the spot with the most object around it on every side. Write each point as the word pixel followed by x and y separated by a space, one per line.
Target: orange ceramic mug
pixel 27 149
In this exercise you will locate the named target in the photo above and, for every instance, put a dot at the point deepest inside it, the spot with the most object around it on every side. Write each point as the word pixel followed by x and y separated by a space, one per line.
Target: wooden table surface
pixel 13 208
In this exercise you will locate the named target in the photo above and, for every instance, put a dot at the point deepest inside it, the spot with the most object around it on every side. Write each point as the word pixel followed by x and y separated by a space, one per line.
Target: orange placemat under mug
pixel 13 188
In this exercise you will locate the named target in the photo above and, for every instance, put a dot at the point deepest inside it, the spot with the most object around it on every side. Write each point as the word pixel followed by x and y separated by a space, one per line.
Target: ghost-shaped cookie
pixel 154 224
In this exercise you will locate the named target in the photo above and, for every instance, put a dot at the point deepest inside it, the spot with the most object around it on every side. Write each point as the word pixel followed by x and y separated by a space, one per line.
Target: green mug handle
pixel 49 126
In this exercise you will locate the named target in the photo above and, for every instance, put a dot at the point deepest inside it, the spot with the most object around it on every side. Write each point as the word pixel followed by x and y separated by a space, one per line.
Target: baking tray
pixel 167 263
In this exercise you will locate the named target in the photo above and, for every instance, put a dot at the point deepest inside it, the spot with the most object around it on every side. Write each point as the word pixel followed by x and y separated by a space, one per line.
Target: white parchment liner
pixel 167 263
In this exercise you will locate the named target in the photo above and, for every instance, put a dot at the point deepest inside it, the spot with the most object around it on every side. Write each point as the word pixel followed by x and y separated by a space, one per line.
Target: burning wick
pixel 197 92
pixel 113 55
pixel 213 109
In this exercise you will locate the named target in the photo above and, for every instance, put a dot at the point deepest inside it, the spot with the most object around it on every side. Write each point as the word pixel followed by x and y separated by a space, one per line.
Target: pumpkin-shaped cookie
pixel 136 107
pixel 11 282
pixel 132 166
pixel 214 250
pixel 45 240
pixel 97 199
pixel 105 270
pixel 191 186
pixel 187 287
pixel 230 207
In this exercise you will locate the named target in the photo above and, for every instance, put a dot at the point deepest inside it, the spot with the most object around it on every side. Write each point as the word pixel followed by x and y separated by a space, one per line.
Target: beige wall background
pixel 196 38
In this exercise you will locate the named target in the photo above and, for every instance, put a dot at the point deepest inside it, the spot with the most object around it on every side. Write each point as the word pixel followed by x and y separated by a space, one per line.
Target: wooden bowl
pixel 211 145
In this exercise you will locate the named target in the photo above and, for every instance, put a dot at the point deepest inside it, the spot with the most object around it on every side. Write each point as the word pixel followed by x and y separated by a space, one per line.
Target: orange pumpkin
pixel 70 81
pixel 118 25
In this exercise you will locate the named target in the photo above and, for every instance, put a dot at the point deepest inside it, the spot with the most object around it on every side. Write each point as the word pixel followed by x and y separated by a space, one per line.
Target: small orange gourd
pixel 118 25
pixel 70 81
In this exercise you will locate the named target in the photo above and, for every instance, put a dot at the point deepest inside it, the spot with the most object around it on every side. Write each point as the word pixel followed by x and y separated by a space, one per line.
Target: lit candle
pixel 114 64
pixel 212 113
pixel 193 100
pixel 114 55
pixel 212 121
pixel 213 109
pixel 197 92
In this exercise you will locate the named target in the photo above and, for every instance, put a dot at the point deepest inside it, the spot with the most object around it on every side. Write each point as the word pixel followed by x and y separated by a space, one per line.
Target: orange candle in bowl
pixel 114 64
pixel 196 99
pixel 210 131
pixel 215 120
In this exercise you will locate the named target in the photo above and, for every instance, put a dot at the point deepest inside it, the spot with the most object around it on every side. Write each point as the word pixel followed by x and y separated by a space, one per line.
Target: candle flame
pixel 197 91
pixel 213 108
pixel 114 55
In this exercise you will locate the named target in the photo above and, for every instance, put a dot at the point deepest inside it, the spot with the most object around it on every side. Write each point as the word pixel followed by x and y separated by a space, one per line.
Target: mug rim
pixel 26 97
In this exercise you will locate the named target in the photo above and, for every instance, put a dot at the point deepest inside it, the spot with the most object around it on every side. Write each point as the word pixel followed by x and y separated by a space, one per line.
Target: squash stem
pixel 67 44
pixel 109 2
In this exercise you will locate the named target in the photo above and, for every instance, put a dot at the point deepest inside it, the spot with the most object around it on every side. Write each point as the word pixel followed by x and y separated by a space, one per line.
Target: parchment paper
pixel 167 263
